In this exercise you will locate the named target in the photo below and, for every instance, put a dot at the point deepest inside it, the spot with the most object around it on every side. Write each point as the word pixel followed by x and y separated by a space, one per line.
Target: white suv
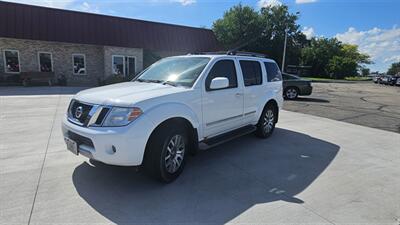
pixel 173 108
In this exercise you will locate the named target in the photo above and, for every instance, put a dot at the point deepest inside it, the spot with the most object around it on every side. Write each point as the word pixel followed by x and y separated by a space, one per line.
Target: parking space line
pixel 44 159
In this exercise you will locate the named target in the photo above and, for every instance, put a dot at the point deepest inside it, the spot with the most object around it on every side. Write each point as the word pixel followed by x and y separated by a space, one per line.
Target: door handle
pixel 238 94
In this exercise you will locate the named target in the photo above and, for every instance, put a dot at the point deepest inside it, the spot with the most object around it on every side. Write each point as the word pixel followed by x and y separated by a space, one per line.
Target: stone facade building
pixel 85 48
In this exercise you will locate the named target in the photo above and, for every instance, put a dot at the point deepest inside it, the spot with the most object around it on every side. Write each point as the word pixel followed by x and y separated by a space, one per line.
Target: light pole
pixel 284 46
pixel 284 50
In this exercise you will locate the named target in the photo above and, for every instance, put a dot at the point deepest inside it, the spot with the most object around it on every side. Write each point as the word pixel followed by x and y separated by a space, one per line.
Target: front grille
pixel 79 139
pixel 87 115
pixel 79 112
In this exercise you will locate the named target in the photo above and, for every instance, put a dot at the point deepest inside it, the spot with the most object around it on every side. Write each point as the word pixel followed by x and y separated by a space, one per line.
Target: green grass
pixel 330 79
pixel 358 78
pixel 317 78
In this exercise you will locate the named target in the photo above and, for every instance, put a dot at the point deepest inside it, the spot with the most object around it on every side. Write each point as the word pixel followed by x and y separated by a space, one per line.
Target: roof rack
pixel 238 53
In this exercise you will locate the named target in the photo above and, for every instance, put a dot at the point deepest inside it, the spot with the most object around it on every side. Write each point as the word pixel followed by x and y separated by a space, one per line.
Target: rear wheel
pixel 166 153
pixel 267 121
pixel 291 93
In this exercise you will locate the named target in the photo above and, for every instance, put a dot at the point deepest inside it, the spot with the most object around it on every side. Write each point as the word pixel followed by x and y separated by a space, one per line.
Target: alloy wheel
pixel 291 93
pixel 268 121
pixel 175 153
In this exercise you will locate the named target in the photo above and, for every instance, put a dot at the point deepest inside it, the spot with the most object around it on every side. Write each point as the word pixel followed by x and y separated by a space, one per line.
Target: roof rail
pixel 253 54
pixel 238 53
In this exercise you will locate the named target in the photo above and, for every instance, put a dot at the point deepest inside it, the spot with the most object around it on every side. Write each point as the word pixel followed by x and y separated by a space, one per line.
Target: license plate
pixel 71 145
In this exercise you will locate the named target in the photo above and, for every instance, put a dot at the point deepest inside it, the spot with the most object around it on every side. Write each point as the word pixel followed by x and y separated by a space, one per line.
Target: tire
pixel 291 93
pixel 266 123
pixel 163 148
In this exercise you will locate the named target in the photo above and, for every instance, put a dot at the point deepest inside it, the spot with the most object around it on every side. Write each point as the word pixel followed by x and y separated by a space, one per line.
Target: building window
pixel 11 61
pixel 118 65
pixel 45 62
pixel 124 65
pixel 79 64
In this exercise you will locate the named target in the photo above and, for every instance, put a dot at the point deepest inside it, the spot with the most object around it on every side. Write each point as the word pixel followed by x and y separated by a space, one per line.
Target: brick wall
pixel 62 58
pixel 109 51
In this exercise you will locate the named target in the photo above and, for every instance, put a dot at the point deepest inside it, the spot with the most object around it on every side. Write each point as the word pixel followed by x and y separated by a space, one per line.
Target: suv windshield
pixel 182 71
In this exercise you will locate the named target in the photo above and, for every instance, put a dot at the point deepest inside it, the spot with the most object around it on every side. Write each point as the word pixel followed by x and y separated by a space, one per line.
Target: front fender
pixel 165 111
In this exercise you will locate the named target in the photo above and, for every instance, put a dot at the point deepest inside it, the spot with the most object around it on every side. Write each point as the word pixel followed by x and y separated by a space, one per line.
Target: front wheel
pixel 267 121
pixel 166 153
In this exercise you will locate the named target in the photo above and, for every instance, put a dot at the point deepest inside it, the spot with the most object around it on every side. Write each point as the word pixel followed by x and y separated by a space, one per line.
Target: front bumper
pixel 123 146
pixel 306 90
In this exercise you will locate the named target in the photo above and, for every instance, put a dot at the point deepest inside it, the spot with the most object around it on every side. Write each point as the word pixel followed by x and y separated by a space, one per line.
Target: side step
pixel 222 138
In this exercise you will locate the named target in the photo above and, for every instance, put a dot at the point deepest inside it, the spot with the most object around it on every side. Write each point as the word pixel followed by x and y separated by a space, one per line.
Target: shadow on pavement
pixel 302 99
pixel 55 90
pixel 216 186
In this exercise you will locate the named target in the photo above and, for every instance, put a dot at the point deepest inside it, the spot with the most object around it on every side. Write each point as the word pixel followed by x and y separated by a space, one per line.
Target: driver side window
pixel 223 68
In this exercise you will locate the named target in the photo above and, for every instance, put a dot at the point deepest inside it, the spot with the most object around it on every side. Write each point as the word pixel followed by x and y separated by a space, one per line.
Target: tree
pixel 328 57
pixel 365 71
pixel 261 31
pixel 239 25
pixel 394 69
pixel 318 55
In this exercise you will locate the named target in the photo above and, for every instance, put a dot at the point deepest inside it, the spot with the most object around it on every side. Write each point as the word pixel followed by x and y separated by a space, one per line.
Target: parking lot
pixel 362 103
pixel 311 170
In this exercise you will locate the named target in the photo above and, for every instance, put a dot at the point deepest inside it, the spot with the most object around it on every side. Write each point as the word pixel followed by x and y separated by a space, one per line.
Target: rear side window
pixel 252 74
pixel 273 72
pixel 223 68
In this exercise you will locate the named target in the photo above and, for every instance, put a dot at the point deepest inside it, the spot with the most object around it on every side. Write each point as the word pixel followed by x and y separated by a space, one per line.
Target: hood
pixel 125 94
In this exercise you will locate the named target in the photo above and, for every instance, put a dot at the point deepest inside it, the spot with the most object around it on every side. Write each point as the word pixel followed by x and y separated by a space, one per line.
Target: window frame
pixel 84 64
pixel 112 64
pixel 127 57
pixel 5 61
pixel 51 60
pixel 261 72
pixel 207 88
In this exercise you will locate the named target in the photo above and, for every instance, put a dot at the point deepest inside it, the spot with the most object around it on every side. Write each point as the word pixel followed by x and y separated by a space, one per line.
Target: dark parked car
pixel 293 86
pixel 394 80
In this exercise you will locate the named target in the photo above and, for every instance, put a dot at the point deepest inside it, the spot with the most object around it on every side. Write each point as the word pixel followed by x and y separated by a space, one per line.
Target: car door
pixel 251 71
pixel 222 108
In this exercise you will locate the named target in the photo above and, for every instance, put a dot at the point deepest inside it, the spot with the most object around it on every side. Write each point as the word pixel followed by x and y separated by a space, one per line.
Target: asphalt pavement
pixel 362 103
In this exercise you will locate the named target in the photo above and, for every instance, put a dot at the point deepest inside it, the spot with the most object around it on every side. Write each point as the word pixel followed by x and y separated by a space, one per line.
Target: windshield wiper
pixel 169 83
pixel 149 81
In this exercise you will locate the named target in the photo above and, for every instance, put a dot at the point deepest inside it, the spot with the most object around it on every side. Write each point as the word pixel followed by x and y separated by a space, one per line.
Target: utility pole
pixel 284 46
pixel 284 51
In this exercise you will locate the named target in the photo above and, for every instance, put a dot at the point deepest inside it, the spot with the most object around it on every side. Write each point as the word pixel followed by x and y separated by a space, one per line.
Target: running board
pixel 222 138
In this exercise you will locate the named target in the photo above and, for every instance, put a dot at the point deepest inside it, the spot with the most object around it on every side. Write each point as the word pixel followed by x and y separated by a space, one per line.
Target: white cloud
pixel 86 7
pixel 309 32
pixel 61 4
pixel 383 45
pixel 305 1
pixel 268 3
pixel 185 2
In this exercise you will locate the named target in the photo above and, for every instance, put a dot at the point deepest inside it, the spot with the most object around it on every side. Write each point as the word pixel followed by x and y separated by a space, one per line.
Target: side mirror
pixel 219 83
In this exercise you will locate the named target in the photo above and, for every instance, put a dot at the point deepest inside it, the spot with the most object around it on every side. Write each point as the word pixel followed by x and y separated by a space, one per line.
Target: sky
pixel 374 25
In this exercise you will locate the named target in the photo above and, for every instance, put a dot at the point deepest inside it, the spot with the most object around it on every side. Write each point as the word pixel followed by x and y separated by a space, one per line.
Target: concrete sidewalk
pixel 312 170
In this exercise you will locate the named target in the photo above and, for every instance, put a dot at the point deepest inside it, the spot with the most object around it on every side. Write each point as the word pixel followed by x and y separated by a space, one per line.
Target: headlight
pixel 121 116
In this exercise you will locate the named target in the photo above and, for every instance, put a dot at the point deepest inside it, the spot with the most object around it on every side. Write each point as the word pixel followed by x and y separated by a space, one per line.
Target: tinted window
pixel 251 72
pixel 223 68
pixel 273 72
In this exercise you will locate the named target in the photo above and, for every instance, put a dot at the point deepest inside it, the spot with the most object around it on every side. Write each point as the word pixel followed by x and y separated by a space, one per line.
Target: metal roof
pixel 47 24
